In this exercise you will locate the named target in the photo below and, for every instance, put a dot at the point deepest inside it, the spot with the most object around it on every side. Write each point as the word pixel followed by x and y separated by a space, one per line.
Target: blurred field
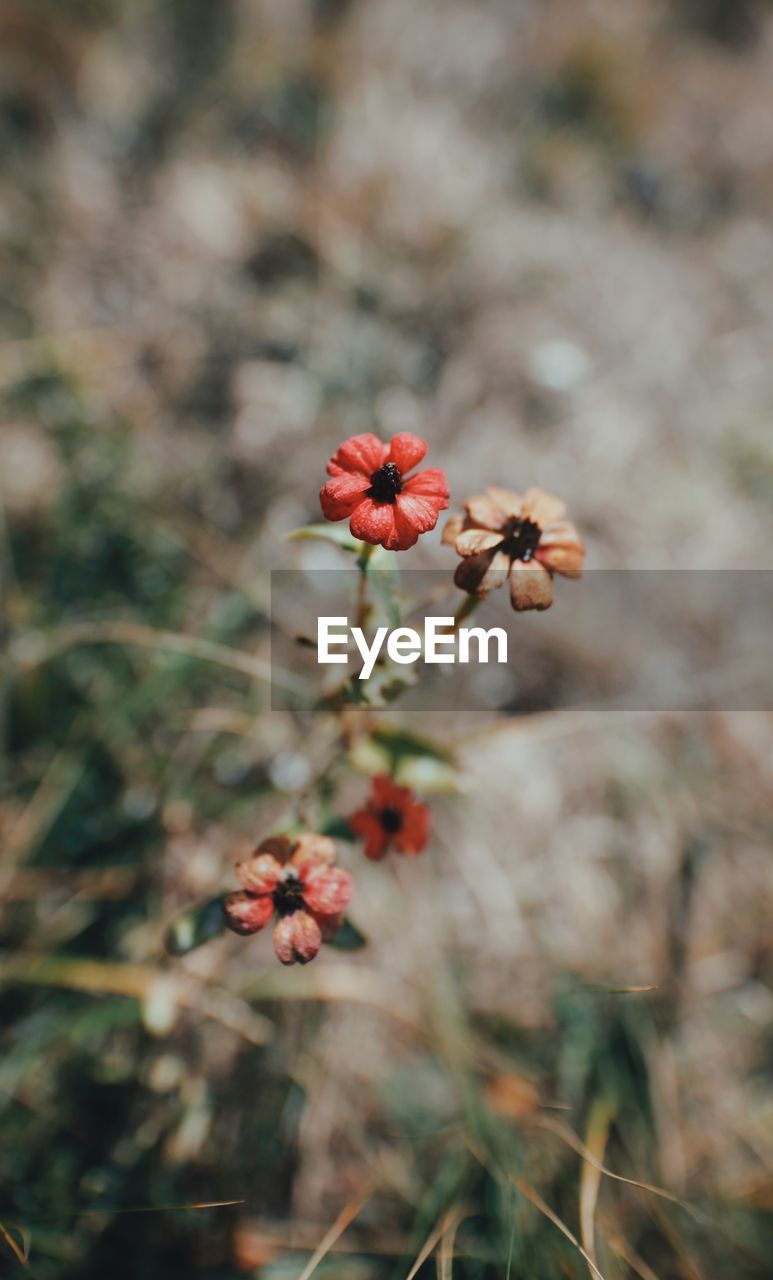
pixel 539 233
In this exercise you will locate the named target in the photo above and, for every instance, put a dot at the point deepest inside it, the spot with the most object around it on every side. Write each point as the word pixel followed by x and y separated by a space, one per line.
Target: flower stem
pixel 363 560
pixel 468 606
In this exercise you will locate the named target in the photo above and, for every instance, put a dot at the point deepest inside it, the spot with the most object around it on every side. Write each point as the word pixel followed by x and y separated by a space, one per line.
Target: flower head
pixel 369 485
pixel 392 817
pixel 295 881
pixel 520 538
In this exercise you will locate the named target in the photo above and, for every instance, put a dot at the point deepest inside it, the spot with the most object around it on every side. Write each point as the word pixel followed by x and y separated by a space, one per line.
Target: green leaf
pixel 401 743
pixel 348 938
pixel 337 828
pixel 338 534
pixel 195 927
pixel 412 759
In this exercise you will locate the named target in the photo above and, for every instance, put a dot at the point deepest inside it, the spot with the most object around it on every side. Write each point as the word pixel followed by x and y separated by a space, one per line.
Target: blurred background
pixel 539 233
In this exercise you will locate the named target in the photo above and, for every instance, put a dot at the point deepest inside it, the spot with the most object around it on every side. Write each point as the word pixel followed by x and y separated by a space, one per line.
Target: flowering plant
pixel 500 536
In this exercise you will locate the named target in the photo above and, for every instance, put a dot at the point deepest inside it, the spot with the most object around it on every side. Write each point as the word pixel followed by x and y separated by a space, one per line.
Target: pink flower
pixel 368 486
pixel 296 881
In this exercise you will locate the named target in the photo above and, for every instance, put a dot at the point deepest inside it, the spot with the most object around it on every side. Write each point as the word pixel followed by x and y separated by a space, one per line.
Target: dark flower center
pixel 288 896
pixel 521 539
pixel 385 484
pixel 391 820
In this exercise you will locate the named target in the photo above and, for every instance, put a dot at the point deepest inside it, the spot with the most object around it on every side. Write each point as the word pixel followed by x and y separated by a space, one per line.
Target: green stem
pixel 468 606
pixel 363 560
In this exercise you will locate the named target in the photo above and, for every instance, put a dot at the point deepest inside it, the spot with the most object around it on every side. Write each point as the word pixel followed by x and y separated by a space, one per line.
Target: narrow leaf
pixel 338 828
pixel 196 927
pixel 349 938
pixel 345 1217
pixel 20 1252
pixel 590 1177
pixel 338 534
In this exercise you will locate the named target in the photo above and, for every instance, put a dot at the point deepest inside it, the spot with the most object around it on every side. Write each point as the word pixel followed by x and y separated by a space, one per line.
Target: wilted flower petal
pixel 451 530
pixel 530 586
pixel 297 938
pixel 260 873
pixel 279 846
pixel 472 541
pixel 313 850
pixel 541 507
pixel 246 913
pixel 485 512
pixel 505 499
pixel 328 892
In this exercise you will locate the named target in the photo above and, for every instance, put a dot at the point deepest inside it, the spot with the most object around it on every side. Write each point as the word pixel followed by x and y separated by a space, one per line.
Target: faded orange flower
pixel 296 882
pixel 519 538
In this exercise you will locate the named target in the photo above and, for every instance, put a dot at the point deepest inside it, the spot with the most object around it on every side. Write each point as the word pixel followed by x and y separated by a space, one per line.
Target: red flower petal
pixel 406 450
pixel 429 483
pixel 244 913
pixel 260 873
pixel 374 522
pixel 328 892
pixel 342 495
pixel 414 515
pixel 297 938
pixel 413 836
pixel 387 794
pixel 366 825
pixel 360 454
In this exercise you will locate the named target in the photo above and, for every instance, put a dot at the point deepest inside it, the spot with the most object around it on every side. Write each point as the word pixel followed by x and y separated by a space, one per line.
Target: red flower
pixel 296 880
pixel 368 487
pixel 392 816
